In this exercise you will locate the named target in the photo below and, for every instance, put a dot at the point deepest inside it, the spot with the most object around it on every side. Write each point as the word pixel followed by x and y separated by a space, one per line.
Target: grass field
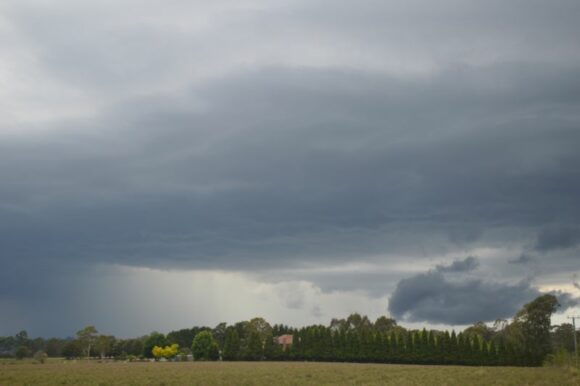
pixel 273 373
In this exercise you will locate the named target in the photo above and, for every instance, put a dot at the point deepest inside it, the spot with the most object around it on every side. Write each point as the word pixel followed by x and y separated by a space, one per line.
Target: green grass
pixel 61 372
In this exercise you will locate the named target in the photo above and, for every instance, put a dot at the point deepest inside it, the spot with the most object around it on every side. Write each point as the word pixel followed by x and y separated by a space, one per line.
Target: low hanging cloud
pixel 522 259
pixel 436 298
pixel 468 264
pixel 558 237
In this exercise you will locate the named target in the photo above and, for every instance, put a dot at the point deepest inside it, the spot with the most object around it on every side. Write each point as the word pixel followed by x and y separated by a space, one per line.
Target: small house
pixel 284 340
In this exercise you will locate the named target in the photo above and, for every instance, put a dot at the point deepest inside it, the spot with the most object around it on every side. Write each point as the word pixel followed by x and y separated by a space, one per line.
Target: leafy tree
pixel 499 325
pixel 563 337
pixel 22 352
pixel 242 328
pixel 219 334
pixel 185 336
pixel 357 322
pixel 54 347
pixel 154 339
pixel 37 344
pixel 123 347
pixel 260 326
pixel 87 337
pixel 104 345
pixel 535 318
pixel 480 329
pixel 21 338
pixel 72 349
pixel 253 349
pixel 384 324
pixel 231 345
pixel 205 347
pixel 272 350
pixel 7 345
pixel 338 325
pixel 166 352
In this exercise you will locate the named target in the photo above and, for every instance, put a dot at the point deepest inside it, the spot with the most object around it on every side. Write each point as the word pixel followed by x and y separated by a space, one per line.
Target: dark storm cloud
pixel 268 136
pixel 522 259
pixel 273 193
pixel 436 298
pixel 286 164
pixel 558 237
pixel 468 264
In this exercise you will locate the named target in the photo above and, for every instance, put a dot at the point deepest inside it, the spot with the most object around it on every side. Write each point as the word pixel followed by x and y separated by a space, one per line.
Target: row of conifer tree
pixel 320 343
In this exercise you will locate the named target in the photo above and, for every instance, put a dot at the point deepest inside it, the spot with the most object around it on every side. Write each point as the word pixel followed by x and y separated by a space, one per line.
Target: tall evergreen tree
pixel 254 349
pixel 272 350
pixel 231 350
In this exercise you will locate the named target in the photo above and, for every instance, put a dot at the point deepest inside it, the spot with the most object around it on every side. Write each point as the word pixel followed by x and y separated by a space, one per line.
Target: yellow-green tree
pixel 165 352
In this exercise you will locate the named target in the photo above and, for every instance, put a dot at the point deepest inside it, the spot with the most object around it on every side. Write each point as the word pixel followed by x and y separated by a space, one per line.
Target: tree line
pixel 524 342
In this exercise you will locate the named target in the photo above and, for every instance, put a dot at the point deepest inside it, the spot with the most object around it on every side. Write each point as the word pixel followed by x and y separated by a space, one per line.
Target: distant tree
pixel 7 345
pixel 185 336
pixel 563 337
pixel 384 324
pixel 523 342
pixel 272 350
pixel 104 345
pixel 219 334
pixel 280 329
pixel 72 349
pixel 453 351
pixel 54 347
pixel 535 318
pixel 205 347
pixel 87 338
pixel 21 338
pixel 499 325
pixel 242 328
pixel 231 350
pixel 253 350
pixel 37 344
pixel 262 327
pixel 338 325
pixel 22 352
pixel 166 352
pixel 480 329
pixel 357 322
pixel 123 347
pixel 154 339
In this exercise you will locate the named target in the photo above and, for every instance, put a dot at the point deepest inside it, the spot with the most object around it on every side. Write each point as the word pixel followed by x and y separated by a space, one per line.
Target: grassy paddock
pixel 274 373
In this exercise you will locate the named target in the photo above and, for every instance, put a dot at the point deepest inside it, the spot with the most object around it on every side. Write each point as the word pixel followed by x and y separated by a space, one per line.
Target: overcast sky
pixel 172 163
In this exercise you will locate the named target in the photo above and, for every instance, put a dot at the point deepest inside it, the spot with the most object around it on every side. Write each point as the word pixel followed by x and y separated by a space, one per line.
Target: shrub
pixel 560 358
pixel 22 352
pixel 40 356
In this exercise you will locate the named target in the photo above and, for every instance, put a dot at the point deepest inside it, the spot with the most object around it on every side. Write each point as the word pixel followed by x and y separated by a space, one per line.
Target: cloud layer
pixel 350 147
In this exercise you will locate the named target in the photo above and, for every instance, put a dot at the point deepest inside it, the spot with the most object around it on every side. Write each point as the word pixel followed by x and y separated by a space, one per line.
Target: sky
pixel 165 164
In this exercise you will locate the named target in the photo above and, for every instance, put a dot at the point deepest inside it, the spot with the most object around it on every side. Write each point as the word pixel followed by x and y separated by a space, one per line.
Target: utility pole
pixel 575 340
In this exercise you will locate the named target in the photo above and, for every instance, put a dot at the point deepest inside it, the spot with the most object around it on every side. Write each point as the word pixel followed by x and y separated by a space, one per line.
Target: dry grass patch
pixel 273 373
